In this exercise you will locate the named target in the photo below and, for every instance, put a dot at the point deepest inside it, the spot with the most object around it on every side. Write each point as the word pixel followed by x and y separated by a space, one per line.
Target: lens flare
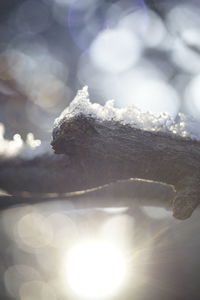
pixel 95 269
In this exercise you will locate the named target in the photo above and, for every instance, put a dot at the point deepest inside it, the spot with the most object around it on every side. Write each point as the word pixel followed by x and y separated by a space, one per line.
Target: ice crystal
pixel 182 125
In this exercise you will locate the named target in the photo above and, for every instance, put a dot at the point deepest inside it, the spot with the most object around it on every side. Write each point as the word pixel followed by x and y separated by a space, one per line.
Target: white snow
pixel 17 147
pixel 182 125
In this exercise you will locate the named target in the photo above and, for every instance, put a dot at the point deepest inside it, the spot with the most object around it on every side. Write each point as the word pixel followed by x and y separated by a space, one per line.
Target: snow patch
pixel 17 147
pixel 182 125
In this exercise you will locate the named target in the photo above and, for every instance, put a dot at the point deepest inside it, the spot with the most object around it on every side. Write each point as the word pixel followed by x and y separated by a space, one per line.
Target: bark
pixel 94 153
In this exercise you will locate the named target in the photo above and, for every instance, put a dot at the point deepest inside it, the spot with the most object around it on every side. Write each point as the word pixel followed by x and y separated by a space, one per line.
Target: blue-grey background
pixel 145 53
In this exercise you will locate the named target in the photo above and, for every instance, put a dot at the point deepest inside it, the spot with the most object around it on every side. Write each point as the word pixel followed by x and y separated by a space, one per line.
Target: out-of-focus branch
pixel 95 153
pixel 132 193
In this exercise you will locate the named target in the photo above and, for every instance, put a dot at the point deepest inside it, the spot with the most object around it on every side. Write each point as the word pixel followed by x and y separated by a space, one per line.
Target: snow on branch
pixel 99 145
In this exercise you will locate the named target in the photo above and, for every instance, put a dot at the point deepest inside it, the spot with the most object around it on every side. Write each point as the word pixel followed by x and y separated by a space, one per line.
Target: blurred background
pixel 145 53
pixel 140 52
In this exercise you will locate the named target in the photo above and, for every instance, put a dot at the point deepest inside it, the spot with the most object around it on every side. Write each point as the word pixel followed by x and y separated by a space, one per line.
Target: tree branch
pixel 131 193
pixel 96 153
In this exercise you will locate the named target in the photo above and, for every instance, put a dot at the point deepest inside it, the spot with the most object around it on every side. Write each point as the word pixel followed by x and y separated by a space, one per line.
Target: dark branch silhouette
pixel 95 153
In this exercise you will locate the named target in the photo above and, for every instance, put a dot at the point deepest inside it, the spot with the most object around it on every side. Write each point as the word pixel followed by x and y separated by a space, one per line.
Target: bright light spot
pixel 145 87
pixel 17 147
pixel 157 213
pixel 95 269
pixel 156 96
pixel 183 21
pixel 183 17
pixel 17 275
pixel 118 230
pixel 115 50
pixel 114 210
pixel 9 148
pixel 33 231
pixel 145 91
pixel 191 37
pixel 47 91
pixel 45 87
pixel 30 140
pixel 185 57
pixel 64 230
pixel 143 23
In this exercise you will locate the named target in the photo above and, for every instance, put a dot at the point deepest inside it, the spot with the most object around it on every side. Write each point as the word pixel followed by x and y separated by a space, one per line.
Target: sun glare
pixel 95 269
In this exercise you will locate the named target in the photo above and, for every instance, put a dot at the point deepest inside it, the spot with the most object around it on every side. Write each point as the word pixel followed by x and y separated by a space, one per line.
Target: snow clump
pixel 183 125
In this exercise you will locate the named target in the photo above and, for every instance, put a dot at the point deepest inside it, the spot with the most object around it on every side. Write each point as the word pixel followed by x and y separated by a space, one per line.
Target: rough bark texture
pixel 96 153
pixel 111 151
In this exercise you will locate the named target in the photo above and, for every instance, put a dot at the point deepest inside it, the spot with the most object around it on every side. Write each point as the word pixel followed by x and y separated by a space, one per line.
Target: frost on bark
pixel 94 152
